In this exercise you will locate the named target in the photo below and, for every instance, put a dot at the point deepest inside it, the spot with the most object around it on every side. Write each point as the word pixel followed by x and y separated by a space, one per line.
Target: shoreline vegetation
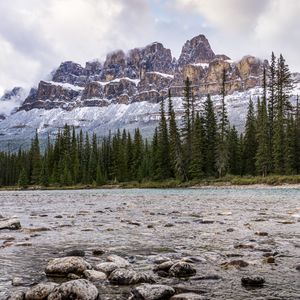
pixel 224 182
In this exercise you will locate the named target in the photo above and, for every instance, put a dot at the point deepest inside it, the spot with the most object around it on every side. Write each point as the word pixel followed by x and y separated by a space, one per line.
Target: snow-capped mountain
pixel 125 90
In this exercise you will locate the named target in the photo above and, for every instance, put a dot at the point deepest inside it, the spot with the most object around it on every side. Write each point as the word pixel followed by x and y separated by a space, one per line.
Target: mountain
pixel 124 91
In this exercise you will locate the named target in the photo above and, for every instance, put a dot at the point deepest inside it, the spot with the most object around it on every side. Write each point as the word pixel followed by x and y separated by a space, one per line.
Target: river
pixel 211 225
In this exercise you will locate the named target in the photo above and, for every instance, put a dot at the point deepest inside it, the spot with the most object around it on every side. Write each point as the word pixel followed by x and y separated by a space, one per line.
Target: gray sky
pixel 37 35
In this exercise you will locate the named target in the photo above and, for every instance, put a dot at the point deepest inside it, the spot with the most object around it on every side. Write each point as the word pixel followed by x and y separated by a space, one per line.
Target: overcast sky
pixel 37 35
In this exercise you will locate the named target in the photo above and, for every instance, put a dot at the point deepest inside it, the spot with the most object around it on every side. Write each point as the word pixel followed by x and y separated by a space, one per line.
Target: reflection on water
pixel 213 225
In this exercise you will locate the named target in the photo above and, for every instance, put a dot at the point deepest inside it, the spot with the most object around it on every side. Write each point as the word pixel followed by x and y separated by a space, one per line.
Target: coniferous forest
pixel 202 144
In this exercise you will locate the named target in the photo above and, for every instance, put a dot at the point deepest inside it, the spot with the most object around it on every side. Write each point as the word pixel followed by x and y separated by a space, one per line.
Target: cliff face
pixel 144 74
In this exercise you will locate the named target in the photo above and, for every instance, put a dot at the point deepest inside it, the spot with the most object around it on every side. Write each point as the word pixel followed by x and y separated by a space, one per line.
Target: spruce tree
pixel 263 150
pixel 186 129
pixel 222 155
pixel 23 179
pixel 176 155
pixel 163 146
pixel 250 142
pixel 197 158
pixel 234 151
pixel 210 128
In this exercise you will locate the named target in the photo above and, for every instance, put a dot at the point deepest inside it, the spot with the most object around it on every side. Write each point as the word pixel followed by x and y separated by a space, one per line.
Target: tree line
pixel 203 145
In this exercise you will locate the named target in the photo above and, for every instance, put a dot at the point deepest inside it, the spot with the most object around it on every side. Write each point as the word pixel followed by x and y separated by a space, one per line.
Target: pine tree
pixel 35 160
pixel 271 102
pixel 263 151
pixel 250 142
pixel 290 166
pixel 210 128
pixel 176 156
pixel 197 158
pixel 163 146
pixel 234 150
pixel 23 179
pixel 222 155
pixel 186 129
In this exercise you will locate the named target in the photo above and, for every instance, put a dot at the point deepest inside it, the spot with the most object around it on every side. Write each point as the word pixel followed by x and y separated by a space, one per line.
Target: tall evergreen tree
pixel 196 169
pixel 163 146
pixel 210 128
pixel 263 150
pixel 250 142
pixel 186 128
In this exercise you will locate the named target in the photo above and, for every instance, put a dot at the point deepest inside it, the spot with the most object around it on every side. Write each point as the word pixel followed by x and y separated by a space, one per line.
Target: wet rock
pixel 208 277
pixel 106 267
pixel 134 223
pixel 269 260
pixel 150 226
pixel 298 267
pixel 98 252
pixel 93 275
pixel 187 296
pixel 58 217
pixel 230 230
pixel 169 225
pixel 128 277
pixel 235 263
pixel 119 261
pixel 41 291
pixel 23 244
pixel 261 233
pixel 11 224
pixel 244 246
pixel 66 265
pixel 75 289
pixel 182 269
pixel 160 259
pixel 33 230
pixel 152 292
pixel 75 252
pixel 252 281
pixel 73 276
pixel 17 281
pixel 18 295
pixel 165 266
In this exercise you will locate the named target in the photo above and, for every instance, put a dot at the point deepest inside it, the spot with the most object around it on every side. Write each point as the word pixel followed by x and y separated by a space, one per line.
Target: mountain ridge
pixel 132 83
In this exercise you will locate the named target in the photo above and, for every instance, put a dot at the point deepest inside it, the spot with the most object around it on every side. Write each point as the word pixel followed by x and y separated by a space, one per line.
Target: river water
pixel 211 225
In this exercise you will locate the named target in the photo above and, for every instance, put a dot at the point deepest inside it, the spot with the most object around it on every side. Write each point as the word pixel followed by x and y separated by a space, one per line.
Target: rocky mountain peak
pixel 196 50
pixel 16 92
pixel 68 72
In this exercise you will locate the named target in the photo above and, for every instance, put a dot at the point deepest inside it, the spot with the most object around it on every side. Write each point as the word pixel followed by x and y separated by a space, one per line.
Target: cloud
pixel 255 27
pixel 36 36
pixel 50 31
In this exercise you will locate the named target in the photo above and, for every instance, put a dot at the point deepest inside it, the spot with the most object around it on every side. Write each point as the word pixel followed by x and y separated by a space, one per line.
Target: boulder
pixel 128 277
pixel 253 281
pixel 93 275
pixel 106 267
pixel 17 295
pixel 75 289
pixel 118 260
pixel 11 224
pixel 40 291
pixel 65 265
pixel 152 292
pixel 182 269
